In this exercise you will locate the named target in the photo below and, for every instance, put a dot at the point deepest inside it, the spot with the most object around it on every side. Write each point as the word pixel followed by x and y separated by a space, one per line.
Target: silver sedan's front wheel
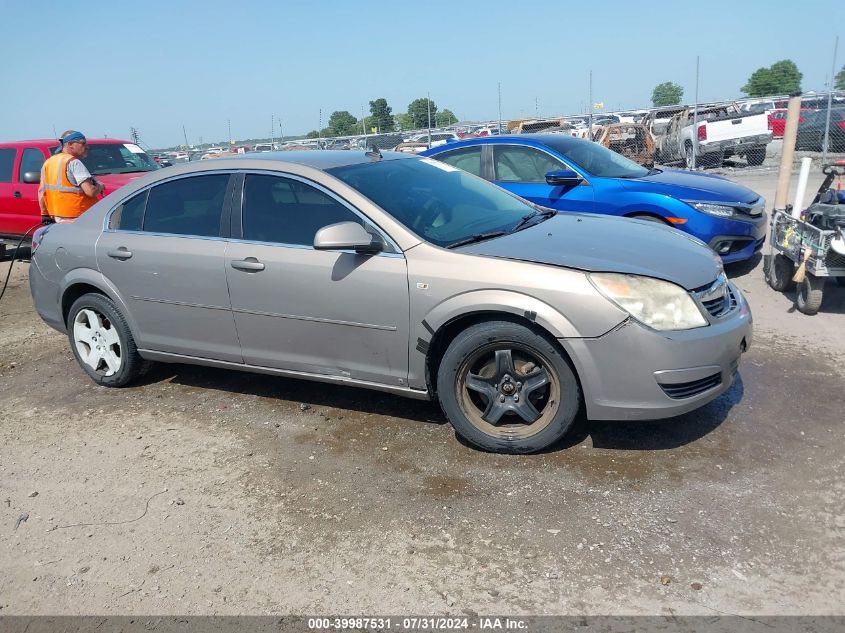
pixel 102 342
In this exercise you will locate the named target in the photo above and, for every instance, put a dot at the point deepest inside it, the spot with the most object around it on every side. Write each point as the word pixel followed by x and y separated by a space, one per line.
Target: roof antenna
pixel 374 153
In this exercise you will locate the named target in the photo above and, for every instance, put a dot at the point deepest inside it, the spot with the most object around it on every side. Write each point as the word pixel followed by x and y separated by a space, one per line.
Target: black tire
pixel 501 358
pixel 756 156
pixel 810 294
pixel 114 339
pixel 779 272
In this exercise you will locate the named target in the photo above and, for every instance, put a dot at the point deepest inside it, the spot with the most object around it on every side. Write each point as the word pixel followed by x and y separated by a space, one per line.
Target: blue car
pixel 570 174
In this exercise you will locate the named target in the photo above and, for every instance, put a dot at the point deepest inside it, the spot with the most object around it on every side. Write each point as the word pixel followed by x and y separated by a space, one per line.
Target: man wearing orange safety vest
pixel 67 188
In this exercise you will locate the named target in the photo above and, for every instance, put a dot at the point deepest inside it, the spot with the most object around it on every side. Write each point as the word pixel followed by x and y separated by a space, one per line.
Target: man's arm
pixel 92 188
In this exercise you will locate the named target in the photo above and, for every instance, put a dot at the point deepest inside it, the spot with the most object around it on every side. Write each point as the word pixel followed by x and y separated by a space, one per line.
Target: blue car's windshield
pixel 440 203
pixel 597 160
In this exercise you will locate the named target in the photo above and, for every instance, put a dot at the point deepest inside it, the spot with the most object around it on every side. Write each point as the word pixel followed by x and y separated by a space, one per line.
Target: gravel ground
pixel 201 491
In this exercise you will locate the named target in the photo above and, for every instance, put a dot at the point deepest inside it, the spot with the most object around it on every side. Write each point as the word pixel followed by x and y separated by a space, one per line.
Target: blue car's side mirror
pixel 563 178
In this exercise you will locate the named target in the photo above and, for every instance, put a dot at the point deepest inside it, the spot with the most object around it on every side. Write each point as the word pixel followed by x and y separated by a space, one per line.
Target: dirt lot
pixel 201 491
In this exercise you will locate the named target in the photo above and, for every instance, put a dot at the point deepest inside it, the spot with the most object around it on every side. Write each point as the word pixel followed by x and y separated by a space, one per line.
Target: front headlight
pixel 658 304
pixel 718 210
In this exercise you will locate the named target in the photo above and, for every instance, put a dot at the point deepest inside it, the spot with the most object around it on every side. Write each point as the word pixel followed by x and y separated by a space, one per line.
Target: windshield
pixel 597 160
pixel 440 203
pixel 114 158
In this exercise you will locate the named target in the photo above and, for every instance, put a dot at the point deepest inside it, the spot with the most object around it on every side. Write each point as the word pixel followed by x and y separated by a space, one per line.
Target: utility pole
pixel 500 107
pixel 591 105
pixel 229 138
pixel 537 107
pixel 272 131
pixel 185 134
pixel 363 122
pixel 320 128
pixel 133 133
pixel 281 131
pixel 695 120
pixel 428 103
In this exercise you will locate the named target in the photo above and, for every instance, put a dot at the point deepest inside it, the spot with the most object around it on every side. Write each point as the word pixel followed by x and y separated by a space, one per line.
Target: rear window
pixel 7 160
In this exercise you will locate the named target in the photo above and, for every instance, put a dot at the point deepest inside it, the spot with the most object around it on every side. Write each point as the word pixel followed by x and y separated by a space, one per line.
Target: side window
pixel 31 161
pixel 286 211
pixel 130 215
pixel 523 164
pixel 188 206
pixel 468 159
pixel 7 160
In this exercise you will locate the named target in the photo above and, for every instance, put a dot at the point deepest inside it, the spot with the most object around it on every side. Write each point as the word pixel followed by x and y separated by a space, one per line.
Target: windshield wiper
pixel 478 237
pixel 545 215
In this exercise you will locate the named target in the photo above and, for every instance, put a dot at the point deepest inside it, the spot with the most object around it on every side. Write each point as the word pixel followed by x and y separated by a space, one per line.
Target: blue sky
pixel 103 67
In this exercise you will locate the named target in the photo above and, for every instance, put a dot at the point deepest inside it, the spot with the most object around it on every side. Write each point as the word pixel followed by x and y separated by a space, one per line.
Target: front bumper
pixel 663 374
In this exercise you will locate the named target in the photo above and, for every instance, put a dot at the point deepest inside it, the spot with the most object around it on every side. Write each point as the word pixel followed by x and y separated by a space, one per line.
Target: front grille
pixel 682 390
pixel 721 305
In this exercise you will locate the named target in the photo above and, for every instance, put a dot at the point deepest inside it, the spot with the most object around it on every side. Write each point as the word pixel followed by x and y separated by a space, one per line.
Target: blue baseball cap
pixel 72 136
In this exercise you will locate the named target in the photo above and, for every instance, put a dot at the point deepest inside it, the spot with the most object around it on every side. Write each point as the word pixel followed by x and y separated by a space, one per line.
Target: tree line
pixel 781 78
pixel 382 119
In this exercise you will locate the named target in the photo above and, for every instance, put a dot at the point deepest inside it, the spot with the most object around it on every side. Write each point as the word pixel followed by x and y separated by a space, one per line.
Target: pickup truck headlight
pixel 718 210
pixel 658 304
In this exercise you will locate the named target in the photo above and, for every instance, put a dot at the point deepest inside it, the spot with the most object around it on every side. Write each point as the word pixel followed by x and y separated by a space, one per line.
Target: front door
pixel 164 251
pixel 522 170
pixel 320 312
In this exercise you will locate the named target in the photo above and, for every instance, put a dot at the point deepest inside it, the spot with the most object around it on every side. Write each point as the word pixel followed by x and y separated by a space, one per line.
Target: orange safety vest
pixel 62 198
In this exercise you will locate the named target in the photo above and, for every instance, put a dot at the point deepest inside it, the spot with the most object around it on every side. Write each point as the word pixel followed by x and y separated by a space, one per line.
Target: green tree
pixel 446 117
pixel 418 110
pixel 342 123
pixel 382 116
pixel 312 134
pixel 667 93
pixel 403 120
pixel 782 77
pixel 839 80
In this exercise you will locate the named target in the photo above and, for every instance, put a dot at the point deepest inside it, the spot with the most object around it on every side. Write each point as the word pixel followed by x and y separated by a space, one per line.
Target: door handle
pixel 119 253
pixel 17 194
pixel 250 265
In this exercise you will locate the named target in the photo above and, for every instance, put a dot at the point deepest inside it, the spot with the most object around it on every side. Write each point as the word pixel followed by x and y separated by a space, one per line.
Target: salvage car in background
pixel 570 174
pixel 631 140
pixel 112 162
pixel 811 131
pixel 720 132
pixel 400 274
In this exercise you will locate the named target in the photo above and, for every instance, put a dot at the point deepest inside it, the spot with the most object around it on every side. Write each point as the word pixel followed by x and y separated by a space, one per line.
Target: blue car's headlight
pixel 717 210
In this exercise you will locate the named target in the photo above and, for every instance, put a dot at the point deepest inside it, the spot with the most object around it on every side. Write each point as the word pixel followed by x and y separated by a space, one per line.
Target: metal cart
pixel 797 243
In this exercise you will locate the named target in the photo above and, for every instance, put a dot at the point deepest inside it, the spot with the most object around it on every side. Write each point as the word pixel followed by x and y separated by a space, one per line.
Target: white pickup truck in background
pixel 722 131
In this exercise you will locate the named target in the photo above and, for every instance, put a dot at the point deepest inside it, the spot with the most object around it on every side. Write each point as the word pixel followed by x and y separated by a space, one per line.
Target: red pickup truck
pixel 112 162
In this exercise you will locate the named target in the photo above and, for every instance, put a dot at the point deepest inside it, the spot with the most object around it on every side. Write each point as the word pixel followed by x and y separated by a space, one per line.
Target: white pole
pixel 695 119
pixel 500 107
pixel 801 189
pixel 829 99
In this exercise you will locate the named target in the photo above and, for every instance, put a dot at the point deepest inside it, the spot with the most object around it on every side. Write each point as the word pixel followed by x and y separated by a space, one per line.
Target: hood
pixel 116 181
pixel 601 243
pixel 689 185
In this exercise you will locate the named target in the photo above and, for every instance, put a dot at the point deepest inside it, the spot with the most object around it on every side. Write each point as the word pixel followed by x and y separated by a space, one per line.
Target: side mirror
pixel 563 178
pixel 31 177
pixel 347 236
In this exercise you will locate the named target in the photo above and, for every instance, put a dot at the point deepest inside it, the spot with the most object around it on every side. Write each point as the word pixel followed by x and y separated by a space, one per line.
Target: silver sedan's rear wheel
pixel 102 342
pixel 507 388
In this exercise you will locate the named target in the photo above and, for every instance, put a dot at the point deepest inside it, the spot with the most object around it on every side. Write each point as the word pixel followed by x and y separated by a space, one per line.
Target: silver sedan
pixel 400 274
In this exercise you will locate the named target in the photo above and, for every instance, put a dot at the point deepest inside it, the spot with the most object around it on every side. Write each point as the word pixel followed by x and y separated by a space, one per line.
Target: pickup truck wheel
pixel 102 343
pixel 756 156
pixel 508 389
pixel 688 156
pixel 810 294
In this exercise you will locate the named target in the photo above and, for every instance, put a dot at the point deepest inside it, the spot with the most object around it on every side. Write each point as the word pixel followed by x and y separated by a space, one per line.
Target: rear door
pixel 25 207
pixel 164 250
pixel 522 170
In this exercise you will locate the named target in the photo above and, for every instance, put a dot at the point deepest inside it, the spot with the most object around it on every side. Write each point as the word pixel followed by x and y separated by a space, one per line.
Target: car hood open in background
pixel 598 243
pixel 691 186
